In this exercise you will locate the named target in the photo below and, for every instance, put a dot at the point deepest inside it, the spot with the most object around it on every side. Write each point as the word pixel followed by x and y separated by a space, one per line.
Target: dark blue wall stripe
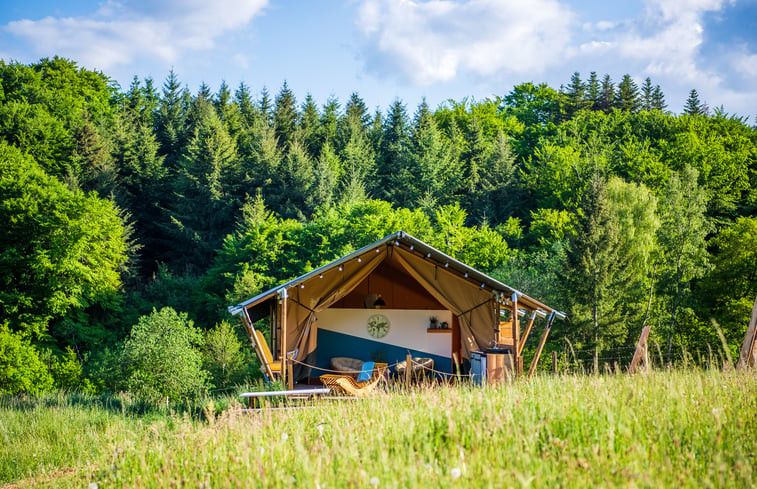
pixel 332 344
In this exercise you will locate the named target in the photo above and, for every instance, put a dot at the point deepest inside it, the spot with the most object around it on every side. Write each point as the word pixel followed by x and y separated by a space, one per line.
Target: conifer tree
pixel 285 117
pixel 575 97
pixel 647 95
pixel 308 127
pixel 593 91
pixel 326 175
pixel 658 99
pixel 202 210
pixel 693 106
pixel 627 96
pixel 607 96
pixel 394 142
pixel 170 120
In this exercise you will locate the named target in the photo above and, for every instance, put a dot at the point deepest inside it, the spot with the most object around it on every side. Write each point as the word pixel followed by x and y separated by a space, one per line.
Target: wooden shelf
pixel 439 330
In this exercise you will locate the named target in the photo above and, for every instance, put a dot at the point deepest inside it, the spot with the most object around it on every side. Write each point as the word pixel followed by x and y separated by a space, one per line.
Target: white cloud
pixel 119 33
pixel 434 41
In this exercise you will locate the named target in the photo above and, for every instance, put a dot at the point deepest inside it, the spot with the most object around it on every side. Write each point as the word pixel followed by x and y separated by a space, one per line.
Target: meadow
pixel 693 428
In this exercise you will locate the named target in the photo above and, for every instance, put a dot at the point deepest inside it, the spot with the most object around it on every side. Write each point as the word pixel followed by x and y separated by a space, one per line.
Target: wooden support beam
pixel 529 326
pixel 746 358
pixel 283 340
pixel 516 333
pixel 542 342
pixel 641 353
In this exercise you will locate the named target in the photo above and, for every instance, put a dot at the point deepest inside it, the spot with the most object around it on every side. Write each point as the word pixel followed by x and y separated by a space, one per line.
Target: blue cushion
pixel 366 372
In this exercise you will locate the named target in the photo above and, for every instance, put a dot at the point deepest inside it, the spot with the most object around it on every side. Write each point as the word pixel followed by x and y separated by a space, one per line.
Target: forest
pixel 132 218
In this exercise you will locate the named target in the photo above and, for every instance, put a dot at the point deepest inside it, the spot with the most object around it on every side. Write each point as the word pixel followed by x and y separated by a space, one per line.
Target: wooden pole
pixel 290 375
pixel 554 362
pixel 283 349
pixel 542 342
pixel 641 353
pixel 516 333
pixel 408 369
pixel 529 326
pixel 746 358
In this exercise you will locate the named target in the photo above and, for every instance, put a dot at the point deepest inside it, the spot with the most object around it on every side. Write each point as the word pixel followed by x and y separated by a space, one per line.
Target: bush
pixel 21 370
pixel 161 358
pixel 67 372
pixel 223 354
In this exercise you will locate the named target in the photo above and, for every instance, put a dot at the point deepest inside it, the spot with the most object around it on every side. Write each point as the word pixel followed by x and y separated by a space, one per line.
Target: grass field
pixel 666 429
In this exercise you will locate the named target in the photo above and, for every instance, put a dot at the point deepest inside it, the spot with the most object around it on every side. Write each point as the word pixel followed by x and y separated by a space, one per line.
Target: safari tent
pixel 394 297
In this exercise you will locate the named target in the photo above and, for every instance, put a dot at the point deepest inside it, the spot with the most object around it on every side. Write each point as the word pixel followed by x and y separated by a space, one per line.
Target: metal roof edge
pixel 397 236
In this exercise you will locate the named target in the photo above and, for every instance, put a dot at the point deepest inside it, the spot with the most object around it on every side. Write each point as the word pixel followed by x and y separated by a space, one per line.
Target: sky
pixel 400 49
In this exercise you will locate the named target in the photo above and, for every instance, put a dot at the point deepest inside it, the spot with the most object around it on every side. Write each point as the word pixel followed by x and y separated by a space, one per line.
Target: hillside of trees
pixel 131 216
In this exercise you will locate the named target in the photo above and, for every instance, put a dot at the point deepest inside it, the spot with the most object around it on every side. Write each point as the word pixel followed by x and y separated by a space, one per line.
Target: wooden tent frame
pixel 506 298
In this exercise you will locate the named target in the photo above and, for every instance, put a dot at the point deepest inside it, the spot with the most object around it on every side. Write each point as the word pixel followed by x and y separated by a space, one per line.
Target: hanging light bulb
pixel 359 260
pixel 412 247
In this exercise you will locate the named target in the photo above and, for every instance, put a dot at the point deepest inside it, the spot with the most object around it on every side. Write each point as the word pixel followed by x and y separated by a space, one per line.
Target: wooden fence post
pixel 746 358
pixel 554 362
pixel 641 353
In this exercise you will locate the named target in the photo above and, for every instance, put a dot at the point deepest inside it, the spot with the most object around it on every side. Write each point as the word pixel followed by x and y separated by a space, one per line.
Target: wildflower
pixel 284 436
pixel 455 473
pixel 92 485
pixel 374 481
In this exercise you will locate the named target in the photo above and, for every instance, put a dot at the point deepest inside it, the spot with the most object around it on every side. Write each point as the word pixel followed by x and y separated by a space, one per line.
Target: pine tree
pixel 202 211
pixel 285 117
pixel 593 91
pixel 575 97
pixel 326 174
pixel 627 96
pixel 308 127
pixel 607 96
pixel 658 99
pixel 265 107
pixel 647 95
pixel 329 122
pixel 393 145
pixel 170 120
pixel 592 261
pixel 693 106
pixel 296 199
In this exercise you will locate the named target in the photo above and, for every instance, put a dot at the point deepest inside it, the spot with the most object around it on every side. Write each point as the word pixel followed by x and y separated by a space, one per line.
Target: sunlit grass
pixel 666 429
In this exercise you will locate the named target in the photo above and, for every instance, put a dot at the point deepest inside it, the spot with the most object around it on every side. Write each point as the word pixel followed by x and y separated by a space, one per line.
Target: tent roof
pixel 401 238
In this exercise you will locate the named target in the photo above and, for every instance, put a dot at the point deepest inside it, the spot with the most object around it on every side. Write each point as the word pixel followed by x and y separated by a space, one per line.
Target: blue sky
pixel 387 49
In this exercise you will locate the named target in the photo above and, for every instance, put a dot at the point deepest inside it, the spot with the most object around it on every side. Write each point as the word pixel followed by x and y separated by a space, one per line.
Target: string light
pixel 482 285
pixel 359 260
pixel 340 268
pixel 446 265
pixel 428 255
pixel 412 247
pixel 466 274
pixel 320 276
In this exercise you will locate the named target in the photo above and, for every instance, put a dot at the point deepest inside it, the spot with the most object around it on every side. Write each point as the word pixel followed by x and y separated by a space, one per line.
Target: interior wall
pixel 343 332
pixel 398 289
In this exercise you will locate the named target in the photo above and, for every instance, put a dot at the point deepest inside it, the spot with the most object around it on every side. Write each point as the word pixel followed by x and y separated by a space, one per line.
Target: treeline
pixel 131 215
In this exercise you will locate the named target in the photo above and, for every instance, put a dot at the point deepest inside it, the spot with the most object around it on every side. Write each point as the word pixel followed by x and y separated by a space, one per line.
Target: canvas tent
pixel 415 278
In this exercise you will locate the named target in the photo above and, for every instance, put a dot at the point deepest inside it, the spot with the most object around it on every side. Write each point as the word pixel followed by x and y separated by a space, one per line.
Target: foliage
pixel 62 249
pixel 21 369
pixel 223 354
pixel 161 358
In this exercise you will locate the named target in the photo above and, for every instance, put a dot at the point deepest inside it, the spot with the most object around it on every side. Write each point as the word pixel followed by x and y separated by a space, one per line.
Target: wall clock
pixel 378 326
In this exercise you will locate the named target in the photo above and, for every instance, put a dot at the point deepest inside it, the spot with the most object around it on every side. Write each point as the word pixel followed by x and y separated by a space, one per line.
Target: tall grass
pixel 665 429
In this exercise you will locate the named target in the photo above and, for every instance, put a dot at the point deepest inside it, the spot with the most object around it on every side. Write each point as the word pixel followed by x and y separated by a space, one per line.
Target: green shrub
pixel 21 370
pixel 67 372
pixel 223 355
pixel 161 358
